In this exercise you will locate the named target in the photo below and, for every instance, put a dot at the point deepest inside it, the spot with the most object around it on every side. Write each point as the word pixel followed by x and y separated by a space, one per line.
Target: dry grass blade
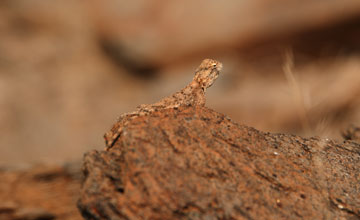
pixel 299 101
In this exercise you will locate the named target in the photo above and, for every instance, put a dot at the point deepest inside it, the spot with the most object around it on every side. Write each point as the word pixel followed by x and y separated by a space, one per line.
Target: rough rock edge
pixel 230 172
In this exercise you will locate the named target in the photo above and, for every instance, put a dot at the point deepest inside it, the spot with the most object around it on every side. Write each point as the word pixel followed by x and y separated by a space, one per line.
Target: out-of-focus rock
pixel 52 72
pixel 352 132
pixel 33 214
pixel 53 69
pixel 40 193
pixel 195 163
pixel 163 31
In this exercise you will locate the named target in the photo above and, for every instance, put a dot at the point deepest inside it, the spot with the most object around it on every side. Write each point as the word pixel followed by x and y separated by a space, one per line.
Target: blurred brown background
pixel 68 69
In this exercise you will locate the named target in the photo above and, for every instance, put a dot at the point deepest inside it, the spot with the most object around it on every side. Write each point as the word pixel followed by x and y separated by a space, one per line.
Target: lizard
pixel 191 95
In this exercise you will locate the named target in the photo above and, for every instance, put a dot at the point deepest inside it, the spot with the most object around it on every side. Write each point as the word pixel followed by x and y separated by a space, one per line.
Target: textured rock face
pixel 194 163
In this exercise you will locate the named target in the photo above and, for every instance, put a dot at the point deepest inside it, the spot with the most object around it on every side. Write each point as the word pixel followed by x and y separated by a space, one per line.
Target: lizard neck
pixel 196 93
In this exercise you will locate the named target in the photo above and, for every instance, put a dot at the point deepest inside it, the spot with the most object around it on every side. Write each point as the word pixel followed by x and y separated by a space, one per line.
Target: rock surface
pixel 195 163
pixel 40 193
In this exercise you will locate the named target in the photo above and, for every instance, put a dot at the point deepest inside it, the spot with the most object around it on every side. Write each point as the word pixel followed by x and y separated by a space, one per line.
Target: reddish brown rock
pixel 195 163
pixel 40 193
pixel 352 132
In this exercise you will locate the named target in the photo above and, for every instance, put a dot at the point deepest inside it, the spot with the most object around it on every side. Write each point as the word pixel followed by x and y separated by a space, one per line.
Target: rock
pixel 352 132
pixel 162 32
pixel 195 163
pixel 40 193
pixel 33 214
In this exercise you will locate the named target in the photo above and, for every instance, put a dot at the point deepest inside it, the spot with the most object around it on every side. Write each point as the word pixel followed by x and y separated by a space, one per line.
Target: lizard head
pixel 207 73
